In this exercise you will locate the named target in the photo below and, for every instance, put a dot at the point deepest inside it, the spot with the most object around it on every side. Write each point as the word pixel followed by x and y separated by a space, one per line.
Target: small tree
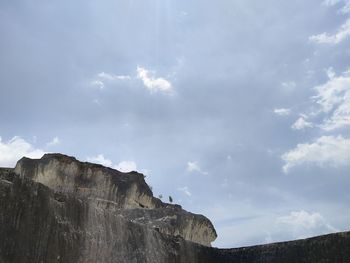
pixel 170 199
pixel 160 196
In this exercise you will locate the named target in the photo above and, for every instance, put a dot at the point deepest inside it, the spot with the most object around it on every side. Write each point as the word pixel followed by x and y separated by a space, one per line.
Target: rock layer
pixel 58 209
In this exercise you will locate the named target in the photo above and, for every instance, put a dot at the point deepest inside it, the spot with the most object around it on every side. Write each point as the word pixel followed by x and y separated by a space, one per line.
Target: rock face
pixel 57 209
pixel 108 190
pixel 65 174
pixel 84 212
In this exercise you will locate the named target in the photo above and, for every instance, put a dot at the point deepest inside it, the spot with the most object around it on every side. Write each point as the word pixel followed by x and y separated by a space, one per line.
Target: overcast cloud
pixel 240 110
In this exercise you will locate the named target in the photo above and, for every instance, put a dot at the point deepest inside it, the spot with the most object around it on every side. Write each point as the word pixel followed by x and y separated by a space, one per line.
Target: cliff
pixel 58 209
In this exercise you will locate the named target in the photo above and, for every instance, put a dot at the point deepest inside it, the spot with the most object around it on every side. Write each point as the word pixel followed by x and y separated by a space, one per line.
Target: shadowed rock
pixel 125 194
pixel 57 209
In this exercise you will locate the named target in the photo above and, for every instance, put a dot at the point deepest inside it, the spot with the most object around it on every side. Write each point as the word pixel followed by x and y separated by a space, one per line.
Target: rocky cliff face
pixel 108 190
pixel 57 209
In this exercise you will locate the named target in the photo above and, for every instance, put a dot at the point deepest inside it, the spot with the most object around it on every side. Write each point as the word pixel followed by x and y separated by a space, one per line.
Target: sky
pixel 238 109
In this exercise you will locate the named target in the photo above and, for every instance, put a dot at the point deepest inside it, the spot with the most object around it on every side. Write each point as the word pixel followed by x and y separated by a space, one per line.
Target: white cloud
pixel 194 167
pixel 185 190
pixel 262 225
pixel 302 219
pixel 332 93
pixel 304 224
pixel 111 77
pixel 123 166
pixel 282 111
pixel 126 166
pixel 334 97
pixel 102 77
pixel 340 117
pixel 301 124
pixel 14 149
pixel 325 38
pixel 330 73
pixel 55 141
pixel 98 83
pixel 100 159
pixel 325 151
pixel 346 7
pixel 331 102
pixel 151 83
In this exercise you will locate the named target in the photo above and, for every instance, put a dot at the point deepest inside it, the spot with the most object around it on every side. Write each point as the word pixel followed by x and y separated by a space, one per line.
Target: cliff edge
pixel 58 209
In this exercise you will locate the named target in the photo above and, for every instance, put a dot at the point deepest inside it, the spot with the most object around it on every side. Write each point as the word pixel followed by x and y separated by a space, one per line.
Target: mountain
pixel 58 209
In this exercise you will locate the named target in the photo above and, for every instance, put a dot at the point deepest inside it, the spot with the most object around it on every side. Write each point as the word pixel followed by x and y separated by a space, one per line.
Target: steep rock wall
pixel 38 225
pixel 111 190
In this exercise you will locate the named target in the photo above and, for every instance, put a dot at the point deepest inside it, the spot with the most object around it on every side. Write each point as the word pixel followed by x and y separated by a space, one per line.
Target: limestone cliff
pixel 57 209
pixel 125 194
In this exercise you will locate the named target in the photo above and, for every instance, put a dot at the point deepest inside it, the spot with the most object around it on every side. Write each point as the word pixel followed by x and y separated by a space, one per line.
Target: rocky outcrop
pixel 123 194
pixel 58 209
pixel 65 174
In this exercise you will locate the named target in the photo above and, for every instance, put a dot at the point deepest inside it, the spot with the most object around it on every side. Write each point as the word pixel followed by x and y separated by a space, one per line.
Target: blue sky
pixel 240 110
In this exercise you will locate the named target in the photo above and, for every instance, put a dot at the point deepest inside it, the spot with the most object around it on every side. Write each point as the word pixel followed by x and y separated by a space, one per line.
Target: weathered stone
pixel 123 193
pixel 58 209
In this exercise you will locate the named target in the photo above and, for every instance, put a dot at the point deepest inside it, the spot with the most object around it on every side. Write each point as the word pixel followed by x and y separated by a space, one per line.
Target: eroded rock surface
pixel 65 174
pixel 109 190
pixel 58 209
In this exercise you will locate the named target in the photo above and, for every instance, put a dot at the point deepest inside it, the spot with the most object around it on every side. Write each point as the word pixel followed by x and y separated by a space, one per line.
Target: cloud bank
pixel 333 98
pixel 301 124
pixel 325 151
pixel 325 38
pixel 123 166
pixel 305 224
pixel 16 148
